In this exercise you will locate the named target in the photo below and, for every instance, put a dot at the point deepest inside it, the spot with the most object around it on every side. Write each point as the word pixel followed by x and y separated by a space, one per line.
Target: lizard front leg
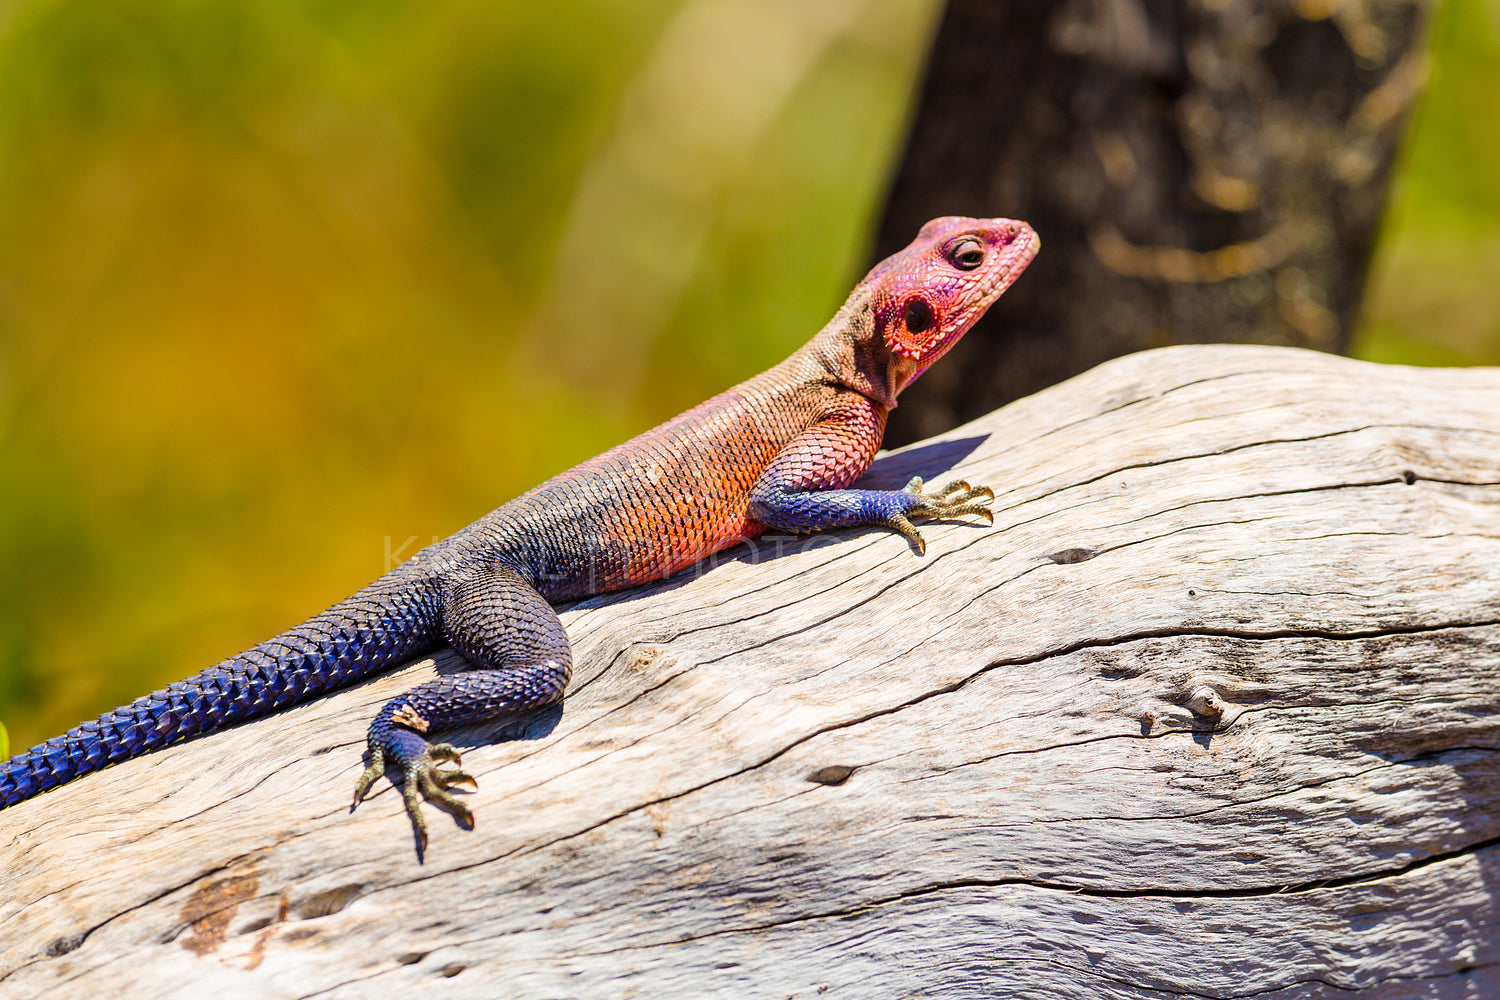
pixel 805 488
pixel 514 640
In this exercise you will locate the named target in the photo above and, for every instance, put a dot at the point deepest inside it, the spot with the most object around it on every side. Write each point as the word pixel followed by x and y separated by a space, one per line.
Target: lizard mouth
pixel 1016 258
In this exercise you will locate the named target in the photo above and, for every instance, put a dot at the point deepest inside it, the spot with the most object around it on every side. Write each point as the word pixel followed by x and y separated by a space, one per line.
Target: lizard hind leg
pixel 519 658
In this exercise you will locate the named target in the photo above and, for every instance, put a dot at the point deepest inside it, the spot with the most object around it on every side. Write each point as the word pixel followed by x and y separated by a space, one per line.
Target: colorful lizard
pixel 778 451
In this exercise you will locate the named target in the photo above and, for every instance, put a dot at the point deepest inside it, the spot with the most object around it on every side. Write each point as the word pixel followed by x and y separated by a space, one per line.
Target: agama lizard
pixel 778 451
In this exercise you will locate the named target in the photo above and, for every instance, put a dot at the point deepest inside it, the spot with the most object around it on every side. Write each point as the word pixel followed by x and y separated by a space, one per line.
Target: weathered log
pixel 1211 710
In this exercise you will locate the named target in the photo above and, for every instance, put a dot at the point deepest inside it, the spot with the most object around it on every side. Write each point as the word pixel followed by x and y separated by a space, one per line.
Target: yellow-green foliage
pixel 1434 295
pixel 281 281
pixel 285 285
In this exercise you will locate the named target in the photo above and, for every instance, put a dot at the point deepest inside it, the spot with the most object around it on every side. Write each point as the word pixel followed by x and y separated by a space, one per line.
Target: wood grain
pixel 1210 711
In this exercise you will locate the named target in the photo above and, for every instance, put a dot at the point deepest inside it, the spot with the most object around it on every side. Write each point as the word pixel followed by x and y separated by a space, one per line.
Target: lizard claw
pixel 953 500
pixel 903 525
pixel 423 779
pixel 375 770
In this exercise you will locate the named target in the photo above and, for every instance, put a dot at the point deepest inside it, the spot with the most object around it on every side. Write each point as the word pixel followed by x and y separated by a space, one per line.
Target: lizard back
pixel 658 502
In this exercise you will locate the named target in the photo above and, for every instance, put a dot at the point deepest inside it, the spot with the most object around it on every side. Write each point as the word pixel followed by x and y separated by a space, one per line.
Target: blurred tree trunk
pixel 1199 170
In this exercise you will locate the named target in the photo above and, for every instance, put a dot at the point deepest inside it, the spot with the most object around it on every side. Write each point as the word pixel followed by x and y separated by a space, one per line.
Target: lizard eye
pixel 918 315
pixel 966 255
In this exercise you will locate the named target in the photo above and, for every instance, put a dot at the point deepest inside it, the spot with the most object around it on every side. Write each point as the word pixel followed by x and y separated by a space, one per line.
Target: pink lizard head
pixel 925 297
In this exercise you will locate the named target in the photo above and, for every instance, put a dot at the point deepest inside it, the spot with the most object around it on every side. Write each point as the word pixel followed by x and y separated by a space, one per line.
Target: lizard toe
pixel 955 500
pixel 368 778
pixel 423 779
pixel 433 784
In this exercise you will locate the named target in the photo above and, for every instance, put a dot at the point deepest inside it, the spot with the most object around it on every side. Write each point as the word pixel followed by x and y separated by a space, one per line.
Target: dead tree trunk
pixel 1199 171
pixel 1210 711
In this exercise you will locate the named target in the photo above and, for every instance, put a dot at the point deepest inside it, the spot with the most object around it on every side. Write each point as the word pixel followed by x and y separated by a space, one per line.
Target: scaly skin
pixel 777 451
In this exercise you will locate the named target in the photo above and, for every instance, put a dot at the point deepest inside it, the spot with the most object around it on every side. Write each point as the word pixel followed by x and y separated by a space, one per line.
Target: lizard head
pixel 924 298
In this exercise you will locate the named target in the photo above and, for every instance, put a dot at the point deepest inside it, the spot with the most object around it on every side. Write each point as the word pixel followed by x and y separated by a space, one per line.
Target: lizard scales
pixel 778 451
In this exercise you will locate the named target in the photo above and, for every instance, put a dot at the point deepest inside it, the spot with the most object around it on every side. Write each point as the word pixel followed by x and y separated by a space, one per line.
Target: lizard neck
pixel 849 354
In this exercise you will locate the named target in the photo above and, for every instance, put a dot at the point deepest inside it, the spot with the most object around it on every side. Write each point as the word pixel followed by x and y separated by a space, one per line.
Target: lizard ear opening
pixel 906 336
pixel 918 316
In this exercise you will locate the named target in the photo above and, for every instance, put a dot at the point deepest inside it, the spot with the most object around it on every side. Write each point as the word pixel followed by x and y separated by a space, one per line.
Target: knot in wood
pixel 833 774
pixel 1205 701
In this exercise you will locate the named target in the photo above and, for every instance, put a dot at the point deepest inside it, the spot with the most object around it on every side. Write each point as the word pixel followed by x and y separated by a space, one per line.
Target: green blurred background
pixel 289 289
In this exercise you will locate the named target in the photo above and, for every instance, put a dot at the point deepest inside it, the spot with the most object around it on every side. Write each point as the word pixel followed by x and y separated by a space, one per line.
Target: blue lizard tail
pixel 393 619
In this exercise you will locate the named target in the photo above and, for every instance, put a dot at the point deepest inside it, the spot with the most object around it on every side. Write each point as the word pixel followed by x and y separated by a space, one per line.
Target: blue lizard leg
pixel 819 511
pixel 804 488
pixel 521 658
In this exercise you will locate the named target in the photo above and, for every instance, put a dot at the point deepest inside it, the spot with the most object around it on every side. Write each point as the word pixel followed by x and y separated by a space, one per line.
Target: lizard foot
pixel 423 779
pixel 955 499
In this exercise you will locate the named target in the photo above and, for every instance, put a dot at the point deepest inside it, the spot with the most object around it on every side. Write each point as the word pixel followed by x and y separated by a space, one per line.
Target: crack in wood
pixel 1321 885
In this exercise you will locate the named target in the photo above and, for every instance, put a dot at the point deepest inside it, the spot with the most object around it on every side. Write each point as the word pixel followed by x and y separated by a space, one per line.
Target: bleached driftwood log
pixel 1210 711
